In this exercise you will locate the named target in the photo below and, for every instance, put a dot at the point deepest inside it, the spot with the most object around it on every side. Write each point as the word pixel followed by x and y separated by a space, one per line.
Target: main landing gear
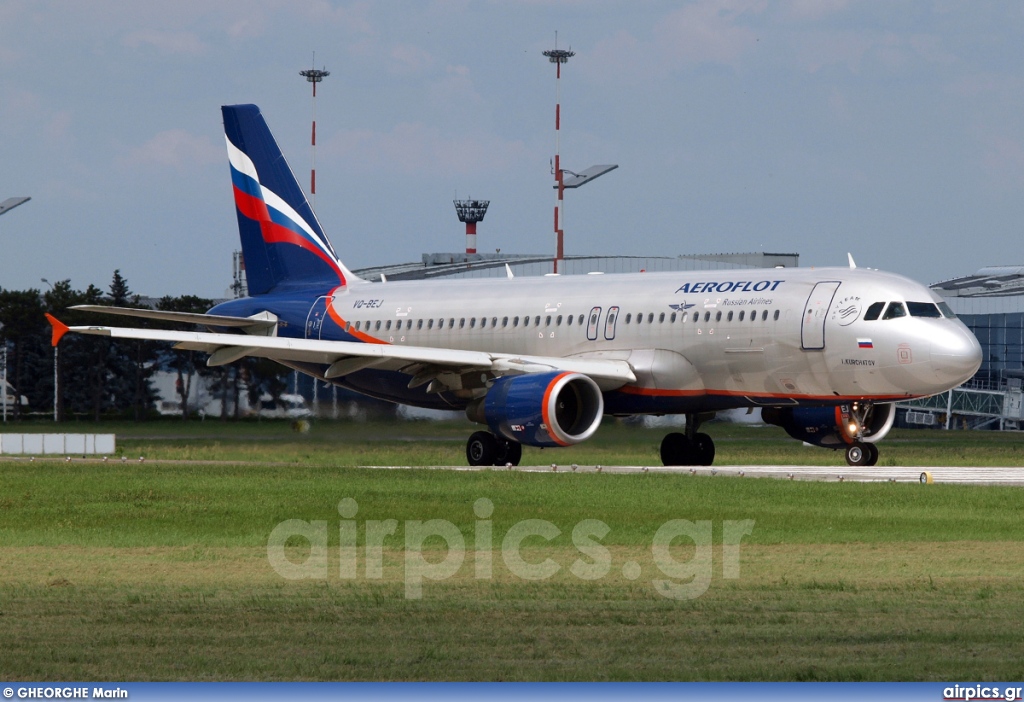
pixel 486 449
pixel 689 449
pixel 861 454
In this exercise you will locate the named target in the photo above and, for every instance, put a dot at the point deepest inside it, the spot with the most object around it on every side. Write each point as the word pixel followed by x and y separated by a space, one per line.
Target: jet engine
pixel 541 409
pixel 834 427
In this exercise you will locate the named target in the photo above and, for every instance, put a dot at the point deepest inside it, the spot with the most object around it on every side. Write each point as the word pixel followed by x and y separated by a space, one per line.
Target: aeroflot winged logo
pixel 732 286
pixel 279 222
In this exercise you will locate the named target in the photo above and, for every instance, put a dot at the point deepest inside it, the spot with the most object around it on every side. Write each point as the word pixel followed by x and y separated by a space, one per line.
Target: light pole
pixel 56 374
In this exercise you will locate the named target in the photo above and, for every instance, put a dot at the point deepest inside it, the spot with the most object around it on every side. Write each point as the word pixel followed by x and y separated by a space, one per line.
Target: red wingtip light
pixel 59 329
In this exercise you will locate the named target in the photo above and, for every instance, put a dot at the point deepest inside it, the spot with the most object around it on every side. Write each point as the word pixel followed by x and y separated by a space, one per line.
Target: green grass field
pixel 160 570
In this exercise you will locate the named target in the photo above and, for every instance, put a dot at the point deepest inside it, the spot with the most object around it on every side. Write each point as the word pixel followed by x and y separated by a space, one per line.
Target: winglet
pixel 59 329
pixel 849 256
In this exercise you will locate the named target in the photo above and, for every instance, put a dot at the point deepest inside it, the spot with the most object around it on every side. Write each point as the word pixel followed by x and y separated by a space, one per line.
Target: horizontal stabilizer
pixel 263 321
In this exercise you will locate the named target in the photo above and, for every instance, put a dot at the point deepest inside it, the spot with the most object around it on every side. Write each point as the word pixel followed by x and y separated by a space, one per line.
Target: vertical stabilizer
pixel 282 242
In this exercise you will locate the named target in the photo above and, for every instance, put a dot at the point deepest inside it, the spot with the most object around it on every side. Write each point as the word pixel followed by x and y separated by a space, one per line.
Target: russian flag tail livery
pixel 282 242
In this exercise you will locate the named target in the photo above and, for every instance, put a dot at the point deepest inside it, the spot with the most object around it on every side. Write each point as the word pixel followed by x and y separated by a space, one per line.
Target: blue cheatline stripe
pixel 474 692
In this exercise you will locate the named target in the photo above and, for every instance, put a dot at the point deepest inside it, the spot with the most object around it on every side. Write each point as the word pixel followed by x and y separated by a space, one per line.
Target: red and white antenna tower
pixel 314 76
pixel 471 212
pixel 558 57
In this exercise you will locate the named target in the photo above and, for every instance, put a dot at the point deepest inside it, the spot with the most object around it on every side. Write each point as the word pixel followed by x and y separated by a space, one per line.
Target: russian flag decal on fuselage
pixel 865 344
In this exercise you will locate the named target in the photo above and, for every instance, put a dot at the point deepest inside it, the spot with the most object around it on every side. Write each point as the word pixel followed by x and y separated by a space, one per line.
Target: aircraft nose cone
pixel 956 356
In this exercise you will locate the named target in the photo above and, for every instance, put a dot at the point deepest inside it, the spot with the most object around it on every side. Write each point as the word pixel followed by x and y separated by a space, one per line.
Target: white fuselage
pixel 742 337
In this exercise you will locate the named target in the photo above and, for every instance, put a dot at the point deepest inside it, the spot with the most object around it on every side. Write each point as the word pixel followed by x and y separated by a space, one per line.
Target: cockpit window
pixel 923 309
pixel 946 311
pixel 873 311
pixel 894 310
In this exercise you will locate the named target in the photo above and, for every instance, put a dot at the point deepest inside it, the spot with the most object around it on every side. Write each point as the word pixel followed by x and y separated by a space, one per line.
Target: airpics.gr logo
pixel 847 310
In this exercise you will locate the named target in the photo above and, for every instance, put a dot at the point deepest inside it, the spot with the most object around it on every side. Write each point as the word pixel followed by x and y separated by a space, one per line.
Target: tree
pixel 184 362
pixel 21 313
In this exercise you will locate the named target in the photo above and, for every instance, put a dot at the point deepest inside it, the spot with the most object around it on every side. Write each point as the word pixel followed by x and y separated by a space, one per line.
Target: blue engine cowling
pixel 544 409
pixel 831 427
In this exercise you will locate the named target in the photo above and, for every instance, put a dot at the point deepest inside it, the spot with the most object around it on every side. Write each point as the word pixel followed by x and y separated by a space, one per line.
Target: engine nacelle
pixel 832 427
pixel 542 409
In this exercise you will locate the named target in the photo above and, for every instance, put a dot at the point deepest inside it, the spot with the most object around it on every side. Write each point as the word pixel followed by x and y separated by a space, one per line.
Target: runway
pixel 875 474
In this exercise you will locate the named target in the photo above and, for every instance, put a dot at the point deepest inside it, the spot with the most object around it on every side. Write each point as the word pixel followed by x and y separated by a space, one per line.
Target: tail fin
pixel 282 241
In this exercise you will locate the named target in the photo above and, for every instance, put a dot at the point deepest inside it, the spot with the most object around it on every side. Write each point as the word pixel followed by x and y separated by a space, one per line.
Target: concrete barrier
pixel 56 444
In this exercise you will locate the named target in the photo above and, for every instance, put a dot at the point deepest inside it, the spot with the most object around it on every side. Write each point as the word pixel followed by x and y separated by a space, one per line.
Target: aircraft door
pixel 609 323
pixel 592 323
pixel 812 327
pixel 316 316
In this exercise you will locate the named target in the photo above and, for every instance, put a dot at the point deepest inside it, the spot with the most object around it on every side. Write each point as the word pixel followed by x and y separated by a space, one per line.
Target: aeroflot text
pixel 738 286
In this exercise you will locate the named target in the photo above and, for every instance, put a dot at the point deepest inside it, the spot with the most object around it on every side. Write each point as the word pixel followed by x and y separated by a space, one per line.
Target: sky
pixel 890 130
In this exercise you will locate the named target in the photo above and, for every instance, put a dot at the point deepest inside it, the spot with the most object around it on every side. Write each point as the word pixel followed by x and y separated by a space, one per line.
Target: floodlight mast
pixel 314 76
pixel 558 57
pixel 471 212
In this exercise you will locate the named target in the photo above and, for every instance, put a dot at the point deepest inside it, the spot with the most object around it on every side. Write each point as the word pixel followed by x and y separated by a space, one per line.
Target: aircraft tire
pixel 872 454
pixel 676 450
pixel 703 450
pixel 481 449
pixel 857 454
pixel 508 452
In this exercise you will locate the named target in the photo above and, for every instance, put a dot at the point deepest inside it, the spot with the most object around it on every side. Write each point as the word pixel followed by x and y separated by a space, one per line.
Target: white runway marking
pixel 874 474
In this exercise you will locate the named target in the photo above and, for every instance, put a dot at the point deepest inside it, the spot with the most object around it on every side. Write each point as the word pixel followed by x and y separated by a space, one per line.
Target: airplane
pixel 539 361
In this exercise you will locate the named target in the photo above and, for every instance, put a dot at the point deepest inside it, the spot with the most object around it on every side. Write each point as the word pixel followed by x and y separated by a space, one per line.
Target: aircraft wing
pixel 424 363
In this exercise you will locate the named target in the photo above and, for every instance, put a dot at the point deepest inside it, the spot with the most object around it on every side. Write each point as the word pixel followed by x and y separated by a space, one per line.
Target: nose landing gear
pixel 861 454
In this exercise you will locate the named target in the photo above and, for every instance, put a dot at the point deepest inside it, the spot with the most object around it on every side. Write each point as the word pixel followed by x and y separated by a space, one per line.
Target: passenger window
pixel 462 323
pixel 650 318
pixel 515 321
pixel 707 316
pixel 776 316
pixel 718 316
pixel 696 316
pixel 874 310
pixel 536 321
pixel 629 317
pixel 923 309
pixel 894 311
pixel 494 321
pixel 377 326
pixel 419 324
pixel 764 315
pixel 568 320
pixel 430 324
pixel 661 318
pixel 729 317
pixel 547 321
pixel 504 322
pixel 741 315
pixel 357 326
pixel 558 321
pixel 672 318
pixel 580 320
